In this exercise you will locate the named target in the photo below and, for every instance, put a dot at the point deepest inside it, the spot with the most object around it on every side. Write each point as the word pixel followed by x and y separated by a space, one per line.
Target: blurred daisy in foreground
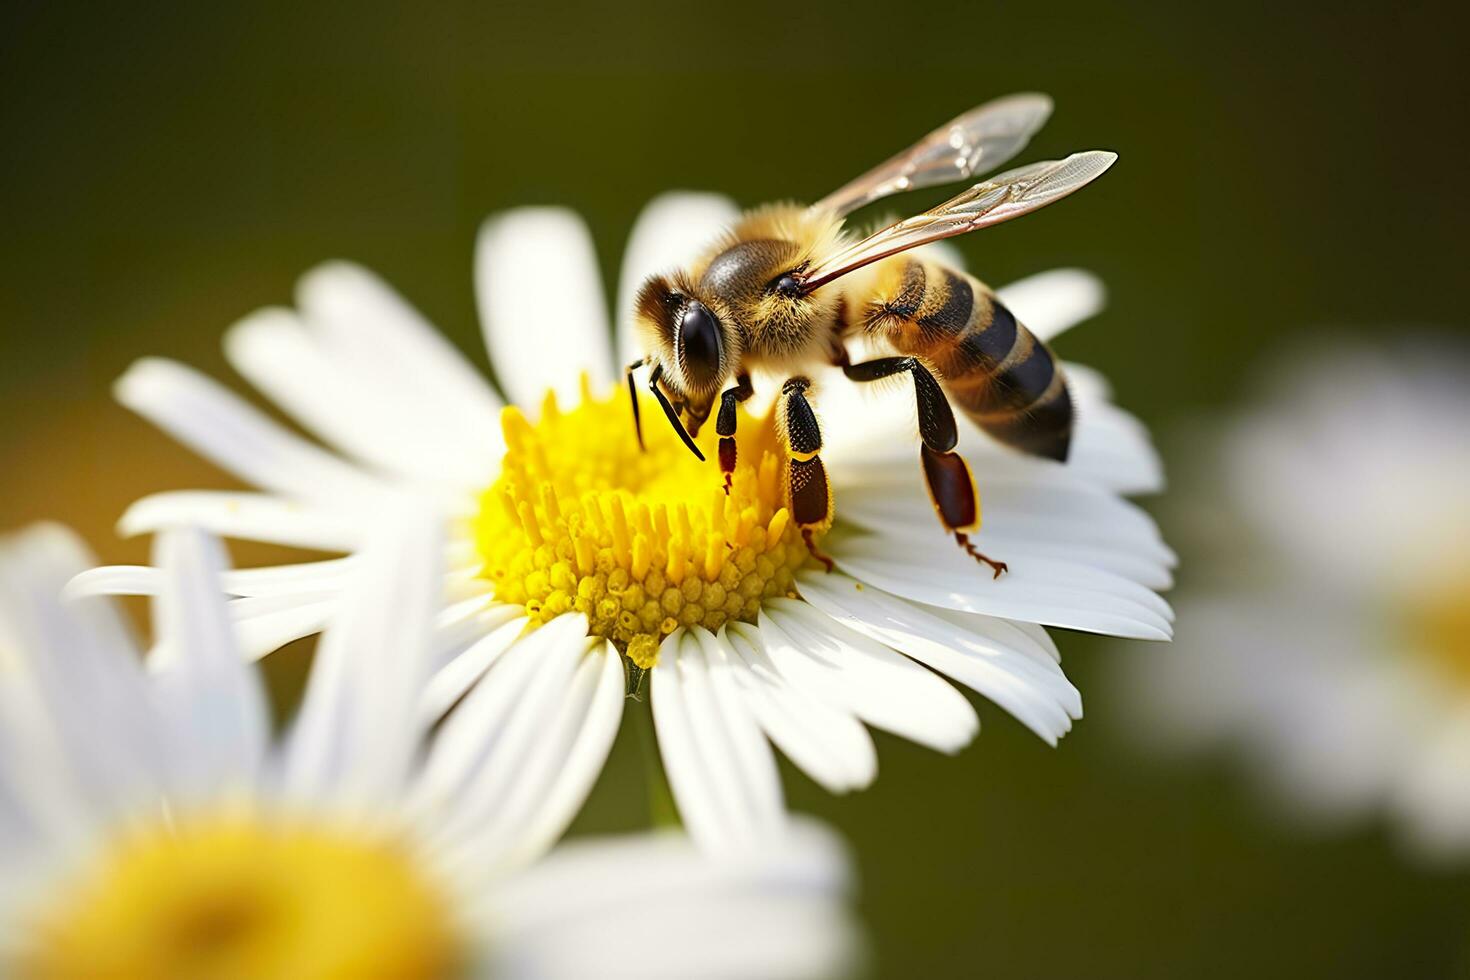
pixel 1333 646
pixel 565 525
pixel 151 826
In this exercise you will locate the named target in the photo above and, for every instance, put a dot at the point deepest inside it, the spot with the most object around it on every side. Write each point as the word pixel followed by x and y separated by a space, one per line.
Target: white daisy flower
pixel 1335 649
pixel 152 826
pixel 561 515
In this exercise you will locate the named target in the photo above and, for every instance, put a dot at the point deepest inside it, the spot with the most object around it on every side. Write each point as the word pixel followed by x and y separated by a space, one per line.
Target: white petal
pixel 248 517
pixel 356 733
pixel 1060 524
pixel 725 755
pixel 281 358
pixel 221 427
pixel 773 913
pixel 693 787
pixel 826 742
pixel 1049 303
pixel 1110 446
pixel 84 741
pixel 541 305
pixel 451 681
pixel 305 578
pixel 264 624
pixel 515 760
pixel 1035 590
pixel 580 764
pixel 883 688
pixel 386 343
pixel 1433 797
pixel 669 234
pixel 212 701
pixel 1030 687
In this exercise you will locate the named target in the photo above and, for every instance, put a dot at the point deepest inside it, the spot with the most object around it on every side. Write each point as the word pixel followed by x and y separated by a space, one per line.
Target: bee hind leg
pixel 808 490
pixel 951 485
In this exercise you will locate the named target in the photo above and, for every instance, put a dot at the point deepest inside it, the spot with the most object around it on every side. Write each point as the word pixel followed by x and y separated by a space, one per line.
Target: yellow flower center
pixel 1441 625
pixel 641 542
pixel 233 897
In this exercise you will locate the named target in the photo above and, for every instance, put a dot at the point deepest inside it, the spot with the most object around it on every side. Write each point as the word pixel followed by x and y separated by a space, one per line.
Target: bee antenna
pixel 633 397
pixel 669 411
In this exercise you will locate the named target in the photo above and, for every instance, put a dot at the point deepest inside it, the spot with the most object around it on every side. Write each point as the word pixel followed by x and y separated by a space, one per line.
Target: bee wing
pixel 980 140
pixel 1001 198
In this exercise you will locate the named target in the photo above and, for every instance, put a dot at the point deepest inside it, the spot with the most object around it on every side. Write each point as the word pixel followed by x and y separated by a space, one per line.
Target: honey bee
pixel 786 287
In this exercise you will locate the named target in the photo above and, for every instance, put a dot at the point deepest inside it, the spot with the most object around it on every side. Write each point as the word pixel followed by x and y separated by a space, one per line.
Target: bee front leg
pixel 725 425
pixel 951 485
pixel 808 490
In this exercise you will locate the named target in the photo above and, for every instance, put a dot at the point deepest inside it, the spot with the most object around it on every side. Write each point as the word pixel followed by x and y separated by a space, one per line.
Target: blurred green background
pixel 165 171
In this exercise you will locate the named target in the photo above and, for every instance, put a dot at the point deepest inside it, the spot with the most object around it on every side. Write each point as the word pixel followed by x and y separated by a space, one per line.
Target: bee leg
pixel 725 425
pixel 809 492
pixel 951 485
pixel 633 397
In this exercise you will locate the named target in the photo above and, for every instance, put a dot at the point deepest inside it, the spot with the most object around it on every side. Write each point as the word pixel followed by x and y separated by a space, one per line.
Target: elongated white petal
pixel 212 701
pixel 720 769
pixel 85 744
pixel 752 760
pixel 932 570
pixel 484 734
pixel 773 913
pixel 541 305
pixel 355 736
pixel 580 763
pixel 826 742
pixel 221 427
pixel 1052 302
pixel 249 517
pixel 264 624
pixel 1069 526
pixel 880 686
pixel 310 577
pixel 384 341
pixel 669 234
pixel 693 787
pixel 276 352
pixel 1110 446
pixel 513 822
pixel 516 759
pixel 1032 689
pixel 451 681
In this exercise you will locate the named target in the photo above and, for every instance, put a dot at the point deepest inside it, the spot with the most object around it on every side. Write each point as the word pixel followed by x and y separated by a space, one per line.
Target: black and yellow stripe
pixel 992 368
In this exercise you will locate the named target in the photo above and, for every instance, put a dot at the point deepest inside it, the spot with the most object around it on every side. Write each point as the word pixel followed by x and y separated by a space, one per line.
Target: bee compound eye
pixel 699 345
pixel 788 286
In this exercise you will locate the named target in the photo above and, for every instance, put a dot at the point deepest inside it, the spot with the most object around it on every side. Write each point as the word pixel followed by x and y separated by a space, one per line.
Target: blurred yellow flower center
pixel 1442 626
pixel 234 897
pixel 641 542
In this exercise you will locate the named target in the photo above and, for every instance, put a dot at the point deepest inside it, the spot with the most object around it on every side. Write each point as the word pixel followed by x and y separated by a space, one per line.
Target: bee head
pixel 691 336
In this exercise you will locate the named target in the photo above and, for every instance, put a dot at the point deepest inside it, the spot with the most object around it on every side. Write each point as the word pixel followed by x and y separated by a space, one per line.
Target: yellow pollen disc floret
pixel 641 542
pixel 235 897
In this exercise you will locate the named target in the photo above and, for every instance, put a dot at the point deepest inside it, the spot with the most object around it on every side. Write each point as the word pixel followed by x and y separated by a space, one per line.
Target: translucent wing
pixel 980 140
pixel 1001 198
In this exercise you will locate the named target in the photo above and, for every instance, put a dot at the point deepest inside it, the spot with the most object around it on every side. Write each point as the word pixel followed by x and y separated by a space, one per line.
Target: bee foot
pixel 963 540
pixel 817 553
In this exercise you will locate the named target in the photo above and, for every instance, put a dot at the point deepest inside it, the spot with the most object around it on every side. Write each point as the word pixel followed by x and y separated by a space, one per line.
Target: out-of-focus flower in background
pixel 152 826
pixel 564 524
pixel 1328 638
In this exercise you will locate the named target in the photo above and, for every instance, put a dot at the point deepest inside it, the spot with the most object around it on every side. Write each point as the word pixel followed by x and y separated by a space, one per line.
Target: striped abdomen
pixel 993 369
